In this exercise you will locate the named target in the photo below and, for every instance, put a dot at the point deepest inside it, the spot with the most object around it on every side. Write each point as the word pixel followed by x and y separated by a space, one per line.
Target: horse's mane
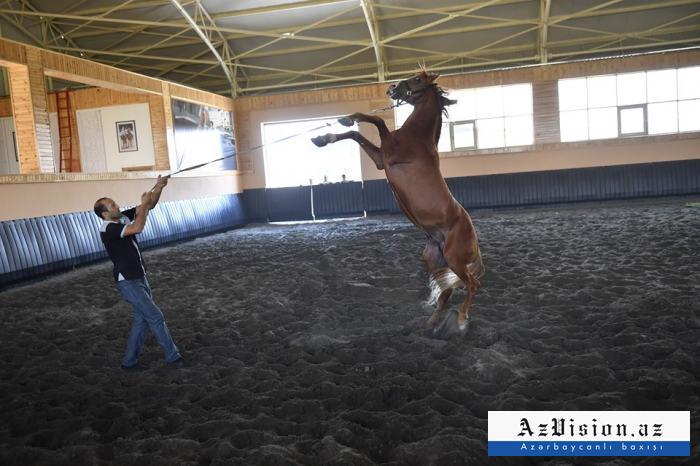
pixel 442 93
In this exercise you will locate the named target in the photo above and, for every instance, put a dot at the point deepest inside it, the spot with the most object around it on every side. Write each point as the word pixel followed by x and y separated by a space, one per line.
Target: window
pixel 484 118
pixel 630 104
pixel 291 160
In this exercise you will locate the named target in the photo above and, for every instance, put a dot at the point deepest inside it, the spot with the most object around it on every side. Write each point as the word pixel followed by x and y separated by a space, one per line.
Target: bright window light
pixel 689 83
pixel 402 113
pixel 648 102
pixel 661 86
pixel 632 120
pixel 463 135
pixel 519 130
pixel 602 123
pixel 296 161
pixel 490 133
pixel 573 94
pixel 602 92
pixel 631 88
pixel 689 115
pixel 517 100
pixel 489 102
pixel 471 112
pixel 465 108
pixel 574 125
pixel 663 118
pixel 444 144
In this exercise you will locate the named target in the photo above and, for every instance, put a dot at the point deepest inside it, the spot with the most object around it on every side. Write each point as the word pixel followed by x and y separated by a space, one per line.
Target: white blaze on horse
pixel 409 156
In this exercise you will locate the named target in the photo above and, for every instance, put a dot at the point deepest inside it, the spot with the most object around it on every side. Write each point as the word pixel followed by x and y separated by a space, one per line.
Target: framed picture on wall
pixel 126 136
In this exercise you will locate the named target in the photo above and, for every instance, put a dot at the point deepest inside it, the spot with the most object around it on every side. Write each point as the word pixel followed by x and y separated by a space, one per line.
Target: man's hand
pixel 162 181
pixel 146 200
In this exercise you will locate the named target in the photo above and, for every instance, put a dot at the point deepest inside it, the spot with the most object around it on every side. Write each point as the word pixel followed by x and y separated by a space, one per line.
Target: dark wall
pixel 30 248
pixel 33 247
pixel 508 191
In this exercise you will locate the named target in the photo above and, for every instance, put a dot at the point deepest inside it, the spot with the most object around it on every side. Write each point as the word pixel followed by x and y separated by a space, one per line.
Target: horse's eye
pixel 417 80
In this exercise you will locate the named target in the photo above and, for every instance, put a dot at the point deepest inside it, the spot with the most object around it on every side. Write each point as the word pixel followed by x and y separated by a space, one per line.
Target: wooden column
pixel 545 96
pixel 30 109
pixel 159 131
pixel 169 125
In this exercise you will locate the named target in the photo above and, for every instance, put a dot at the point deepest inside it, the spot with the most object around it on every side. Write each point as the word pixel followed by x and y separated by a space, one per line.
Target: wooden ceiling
pixel 251 47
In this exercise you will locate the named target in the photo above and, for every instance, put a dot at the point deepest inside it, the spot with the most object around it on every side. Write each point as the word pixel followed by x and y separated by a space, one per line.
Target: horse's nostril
pixel 392 87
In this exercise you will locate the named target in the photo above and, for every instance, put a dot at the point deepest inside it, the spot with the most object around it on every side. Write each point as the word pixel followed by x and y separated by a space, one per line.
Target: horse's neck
pixel 426 118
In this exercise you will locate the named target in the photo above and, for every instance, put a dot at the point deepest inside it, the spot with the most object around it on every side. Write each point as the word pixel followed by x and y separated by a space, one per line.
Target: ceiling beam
pixel 374 34
pixel 545 6
pixel 206 39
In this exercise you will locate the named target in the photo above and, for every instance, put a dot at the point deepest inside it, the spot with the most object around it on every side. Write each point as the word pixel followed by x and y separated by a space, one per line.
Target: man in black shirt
pixel 118 233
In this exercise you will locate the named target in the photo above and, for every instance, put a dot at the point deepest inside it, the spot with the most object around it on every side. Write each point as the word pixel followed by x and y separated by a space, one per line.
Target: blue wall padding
pixel 255 202
pixel 287 204
pixel 378 198
pixel 36 246
pixel 338 200
pixel 596 184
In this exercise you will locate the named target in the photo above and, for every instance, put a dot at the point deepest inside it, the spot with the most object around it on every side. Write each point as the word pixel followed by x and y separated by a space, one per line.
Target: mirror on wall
pixel 104 130
pixel 9 155
pixel 203 135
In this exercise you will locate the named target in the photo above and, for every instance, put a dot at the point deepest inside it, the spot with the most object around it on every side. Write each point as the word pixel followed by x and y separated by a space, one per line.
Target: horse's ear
pixel 433 77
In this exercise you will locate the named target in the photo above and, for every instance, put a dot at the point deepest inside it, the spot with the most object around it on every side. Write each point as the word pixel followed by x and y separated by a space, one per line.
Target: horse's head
pixel 412 90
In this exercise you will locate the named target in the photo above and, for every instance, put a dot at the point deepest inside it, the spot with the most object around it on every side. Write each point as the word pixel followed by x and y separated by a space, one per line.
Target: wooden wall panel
pixel 241 125
pixel 159 130
pixel 12 53
pixel 95 74
pixel 24 119
pixel 85 99
pixel 41 111
pixel 30 109
pixel 5 107
pixel 545 96
pixel 167 104
pixel 200 97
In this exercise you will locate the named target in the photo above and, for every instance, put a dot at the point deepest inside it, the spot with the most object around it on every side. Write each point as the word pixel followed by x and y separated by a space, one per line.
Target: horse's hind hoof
pixel 319 141
pixel 346 121
pixel 463 328
pixel 447 327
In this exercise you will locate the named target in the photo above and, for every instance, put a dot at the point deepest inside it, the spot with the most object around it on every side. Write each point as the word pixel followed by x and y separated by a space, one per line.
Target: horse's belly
pixel 428 204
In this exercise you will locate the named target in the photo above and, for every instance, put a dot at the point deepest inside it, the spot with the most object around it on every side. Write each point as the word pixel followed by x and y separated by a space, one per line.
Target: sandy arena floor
pixel 311 345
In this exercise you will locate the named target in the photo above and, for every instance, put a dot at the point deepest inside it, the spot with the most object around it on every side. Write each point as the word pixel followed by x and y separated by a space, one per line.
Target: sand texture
pixel 311 345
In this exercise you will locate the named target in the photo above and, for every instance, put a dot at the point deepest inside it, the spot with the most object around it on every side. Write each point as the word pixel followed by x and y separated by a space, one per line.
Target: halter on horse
pixel 410 159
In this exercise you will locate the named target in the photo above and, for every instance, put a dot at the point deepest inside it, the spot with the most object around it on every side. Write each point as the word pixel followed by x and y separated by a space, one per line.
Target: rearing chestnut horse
pixel 410 159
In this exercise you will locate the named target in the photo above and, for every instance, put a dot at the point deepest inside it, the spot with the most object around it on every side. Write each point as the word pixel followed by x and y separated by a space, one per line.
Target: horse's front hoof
pixel 346 121
pixel 319 141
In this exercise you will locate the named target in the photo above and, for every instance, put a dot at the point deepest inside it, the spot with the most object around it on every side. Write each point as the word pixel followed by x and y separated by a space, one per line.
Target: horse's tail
pixel 445 279
pixel 476 268
pixel 441 280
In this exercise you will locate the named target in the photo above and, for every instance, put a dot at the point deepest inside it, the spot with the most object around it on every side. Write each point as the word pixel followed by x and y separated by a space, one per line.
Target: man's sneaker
pixel 180 363
pixel 138 367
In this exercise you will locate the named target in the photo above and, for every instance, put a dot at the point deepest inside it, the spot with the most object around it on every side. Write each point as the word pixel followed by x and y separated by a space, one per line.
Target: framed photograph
pixel 126 136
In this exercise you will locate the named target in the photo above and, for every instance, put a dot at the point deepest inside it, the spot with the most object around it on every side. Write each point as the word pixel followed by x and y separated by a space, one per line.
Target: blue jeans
pixel 146 315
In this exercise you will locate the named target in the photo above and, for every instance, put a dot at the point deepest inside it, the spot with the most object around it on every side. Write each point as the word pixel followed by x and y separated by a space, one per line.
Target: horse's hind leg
pixel 442 290
pixel 464 258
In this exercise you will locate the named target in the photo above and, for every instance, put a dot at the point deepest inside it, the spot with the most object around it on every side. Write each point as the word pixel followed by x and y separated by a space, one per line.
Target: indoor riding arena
pixel 557 184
